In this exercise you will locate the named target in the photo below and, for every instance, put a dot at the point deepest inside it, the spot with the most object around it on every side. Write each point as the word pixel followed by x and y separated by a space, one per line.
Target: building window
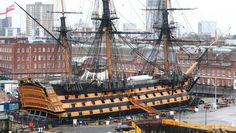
pixel 34 57
pixel 27 50
pixel 203 72
pixel 213 72
pixel 218 82
pixel 208 72
pixel 48 57
pixel 48 50
pixel 18 66
pixel 59 65
pixel 39 49
pixel 208 81
pixel 28 58
pixel 49 66
pixel 18 58
pixel 43 49
pixel 223 83
pixel 18 50
pixel 23 50
pixel 35 49
pixel 218 72
pixel 35 66
pixel 39 66
pixel 229 83
pixel 223 73
pixel 229 73
pixel 59 57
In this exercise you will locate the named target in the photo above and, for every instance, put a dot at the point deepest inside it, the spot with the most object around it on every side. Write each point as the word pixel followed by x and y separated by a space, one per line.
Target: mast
pixel 106 27
pixel 166 38
pixel 66 46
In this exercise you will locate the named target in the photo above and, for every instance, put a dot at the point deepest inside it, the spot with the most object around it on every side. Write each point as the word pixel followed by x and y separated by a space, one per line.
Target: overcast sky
pixel 221 11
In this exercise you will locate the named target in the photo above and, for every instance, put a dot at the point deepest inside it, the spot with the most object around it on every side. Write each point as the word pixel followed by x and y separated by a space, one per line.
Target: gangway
pixel 143 106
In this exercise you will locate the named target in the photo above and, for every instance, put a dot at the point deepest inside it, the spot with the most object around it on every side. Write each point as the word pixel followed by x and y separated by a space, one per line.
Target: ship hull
pixel 97 105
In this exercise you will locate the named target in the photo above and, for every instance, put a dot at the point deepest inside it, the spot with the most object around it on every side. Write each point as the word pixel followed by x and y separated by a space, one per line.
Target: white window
pixel 213 72
pixel 208 81
pixel 48 57
pixel 223 73
pixel 23 50
pixel 223 83
pixel 203 81
pixel 18 66
pixel 35 66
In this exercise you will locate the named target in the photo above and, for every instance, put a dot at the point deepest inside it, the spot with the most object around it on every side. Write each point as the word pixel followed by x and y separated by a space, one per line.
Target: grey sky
pixel 221 11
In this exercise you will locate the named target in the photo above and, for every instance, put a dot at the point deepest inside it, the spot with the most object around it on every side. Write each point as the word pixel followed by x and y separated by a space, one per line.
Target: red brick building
pixel 19 59
pixel 217 68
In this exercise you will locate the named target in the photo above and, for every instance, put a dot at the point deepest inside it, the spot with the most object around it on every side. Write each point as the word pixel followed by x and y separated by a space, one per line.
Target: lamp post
pixel 215 84
pixel 206 107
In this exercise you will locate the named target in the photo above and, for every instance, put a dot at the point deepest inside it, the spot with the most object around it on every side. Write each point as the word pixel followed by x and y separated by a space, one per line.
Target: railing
pixel 208 127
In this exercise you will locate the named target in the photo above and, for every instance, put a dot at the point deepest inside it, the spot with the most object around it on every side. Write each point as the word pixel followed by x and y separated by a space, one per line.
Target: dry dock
pixel 222 119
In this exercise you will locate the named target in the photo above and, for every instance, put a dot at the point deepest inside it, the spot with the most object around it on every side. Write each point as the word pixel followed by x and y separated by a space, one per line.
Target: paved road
pixel 226 116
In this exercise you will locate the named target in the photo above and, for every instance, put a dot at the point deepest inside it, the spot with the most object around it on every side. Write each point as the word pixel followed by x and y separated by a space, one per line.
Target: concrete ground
pixel 226 116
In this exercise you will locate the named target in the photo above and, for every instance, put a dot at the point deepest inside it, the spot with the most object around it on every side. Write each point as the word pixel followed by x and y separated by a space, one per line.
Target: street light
pixel 206 107
pixel 215 105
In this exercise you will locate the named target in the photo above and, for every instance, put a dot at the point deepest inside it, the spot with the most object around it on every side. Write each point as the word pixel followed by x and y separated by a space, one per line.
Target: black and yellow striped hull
pixel 96 104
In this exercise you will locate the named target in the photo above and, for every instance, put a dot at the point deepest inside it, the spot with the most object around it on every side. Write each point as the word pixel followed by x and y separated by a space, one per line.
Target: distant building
pixel 40 12
pixel 230 42
pixel 5 23
pixel 129 27
pixel 218 69
pixel 19 59
pixel 207 28
pixel 10 31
